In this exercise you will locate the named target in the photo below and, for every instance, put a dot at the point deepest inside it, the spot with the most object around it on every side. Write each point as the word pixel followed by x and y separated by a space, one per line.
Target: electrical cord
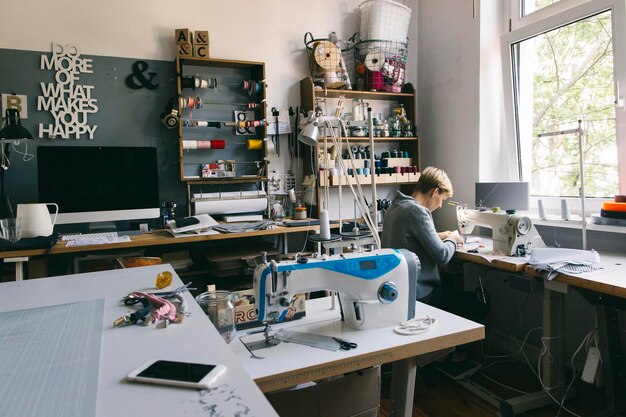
pixel 26 156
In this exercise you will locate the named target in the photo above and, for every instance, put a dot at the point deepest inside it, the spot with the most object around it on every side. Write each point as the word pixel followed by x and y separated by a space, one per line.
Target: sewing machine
pixel 375 288
pixel 512 234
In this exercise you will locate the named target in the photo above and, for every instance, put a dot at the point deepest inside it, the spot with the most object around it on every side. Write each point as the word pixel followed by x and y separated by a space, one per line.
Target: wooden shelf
pixel 212 62
pixel 308 95
pixel 379 139
pixel 224 180
pixel 381 179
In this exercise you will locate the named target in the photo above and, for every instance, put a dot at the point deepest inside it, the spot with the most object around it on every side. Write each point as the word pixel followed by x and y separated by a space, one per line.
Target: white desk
pixel 124 349
pixel 288 364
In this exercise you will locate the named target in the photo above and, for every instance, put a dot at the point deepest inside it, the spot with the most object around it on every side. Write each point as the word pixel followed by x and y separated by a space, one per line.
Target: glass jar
pixel 219 306
pixel 320 106
pixel 357 110
pixel 299 213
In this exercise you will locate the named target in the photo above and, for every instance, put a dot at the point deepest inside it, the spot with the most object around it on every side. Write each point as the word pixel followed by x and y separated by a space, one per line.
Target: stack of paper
pixel 202 227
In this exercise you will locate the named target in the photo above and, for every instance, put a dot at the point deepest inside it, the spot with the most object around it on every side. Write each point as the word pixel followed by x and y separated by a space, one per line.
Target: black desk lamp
pixel 12 132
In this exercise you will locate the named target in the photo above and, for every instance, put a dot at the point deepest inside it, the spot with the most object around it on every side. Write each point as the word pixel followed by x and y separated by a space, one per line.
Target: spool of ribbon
pixel 255 144
pixel 375 80
pixel 190 144
pixel 204 144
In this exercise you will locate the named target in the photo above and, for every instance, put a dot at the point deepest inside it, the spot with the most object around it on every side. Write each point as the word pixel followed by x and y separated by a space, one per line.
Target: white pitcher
pixel 35 219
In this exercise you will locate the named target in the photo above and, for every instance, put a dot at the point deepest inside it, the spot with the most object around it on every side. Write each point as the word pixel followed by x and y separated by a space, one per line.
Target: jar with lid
pixel 357 110
pixel 299 213
pixel 219 306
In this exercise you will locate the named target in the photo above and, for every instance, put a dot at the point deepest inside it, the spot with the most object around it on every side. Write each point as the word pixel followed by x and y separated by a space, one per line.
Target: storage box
pixel 245 309
pixel 356 394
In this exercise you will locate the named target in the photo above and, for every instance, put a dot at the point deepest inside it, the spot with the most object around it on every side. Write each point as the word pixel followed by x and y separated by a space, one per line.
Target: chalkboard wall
pixel 125 116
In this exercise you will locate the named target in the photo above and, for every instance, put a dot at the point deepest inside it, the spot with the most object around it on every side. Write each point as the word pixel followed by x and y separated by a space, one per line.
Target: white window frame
pixel 544 20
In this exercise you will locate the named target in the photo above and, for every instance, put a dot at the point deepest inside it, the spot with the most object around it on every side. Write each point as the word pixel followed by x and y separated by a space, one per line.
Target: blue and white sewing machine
pixel 375 288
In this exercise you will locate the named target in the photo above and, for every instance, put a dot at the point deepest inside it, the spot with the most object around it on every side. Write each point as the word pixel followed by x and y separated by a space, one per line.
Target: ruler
pixel 308 339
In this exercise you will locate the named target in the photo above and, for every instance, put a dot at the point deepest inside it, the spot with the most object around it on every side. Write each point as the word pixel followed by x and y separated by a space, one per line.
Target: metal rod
pixel 581 162
pixel 374 208
pixel 581 155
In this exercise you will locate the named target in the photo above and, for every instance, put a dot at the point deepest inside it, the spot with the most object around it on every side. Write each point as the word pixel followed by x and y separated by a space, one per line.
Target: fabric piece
pixel 552 261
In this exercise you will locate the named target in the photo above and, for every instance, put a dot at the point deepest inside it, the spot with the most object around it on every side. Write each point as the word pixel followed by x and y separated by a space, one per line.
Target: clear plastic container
pixel 219 306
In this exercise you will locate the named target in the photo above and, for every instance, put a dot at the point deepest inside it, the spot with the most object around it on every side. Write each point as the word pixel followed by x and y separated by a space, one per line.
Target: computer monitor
pixel 506 195
pixel 94 184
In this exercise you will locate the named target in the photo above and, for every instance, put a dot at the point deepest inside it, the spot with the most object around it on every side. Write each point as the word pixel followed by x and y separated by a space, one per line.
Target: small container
pixel 299 213
pixel 357 110
pixel 219 306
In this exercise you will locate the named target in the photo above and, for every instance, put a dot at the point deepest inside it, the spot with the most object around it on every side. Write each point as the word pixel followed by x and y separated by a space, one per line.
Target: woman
pixel 409 225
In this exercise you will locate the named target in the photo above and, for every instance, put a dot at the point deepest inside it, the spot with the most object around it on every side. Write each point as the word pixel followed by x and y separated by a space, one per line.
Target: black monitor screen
pixel 506 195
pixel 86 179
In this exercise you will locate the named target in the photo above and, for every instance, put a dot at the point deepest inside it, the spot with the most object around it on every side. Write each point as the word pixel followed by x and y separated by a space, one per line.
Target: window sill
pixel 575 223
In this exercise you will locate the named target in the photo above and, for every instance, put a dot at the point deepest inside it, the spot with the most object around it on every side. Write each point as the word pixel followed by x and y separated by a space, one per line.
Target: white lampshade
pixel 310 134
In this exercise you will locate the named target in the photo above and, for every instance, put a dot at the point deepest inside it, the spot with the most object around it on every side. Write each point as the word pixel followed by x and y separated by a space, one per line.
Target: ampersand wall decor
pixel 138 80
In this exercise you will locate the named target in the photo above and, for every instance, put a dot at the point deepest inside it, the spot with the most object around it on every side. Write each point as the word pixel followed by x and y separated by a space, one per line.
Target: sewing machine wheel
pixel 524 225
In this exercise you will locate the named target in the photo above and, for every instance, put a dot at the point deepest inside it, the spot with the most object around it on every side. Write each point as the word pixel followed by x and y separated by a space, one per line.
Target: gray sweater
pixel 410 226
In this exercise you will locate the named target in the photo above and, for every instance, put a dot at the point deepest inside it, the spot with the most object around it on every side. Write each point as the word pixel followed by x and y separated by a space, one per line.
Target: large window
pixel 566 67
pixel 530 6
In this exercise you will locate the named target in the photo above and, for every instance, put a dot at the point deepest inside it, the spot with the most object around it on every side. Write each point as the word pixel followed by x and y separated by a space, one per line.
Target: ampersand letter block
pixel 201 37
pixel 185 50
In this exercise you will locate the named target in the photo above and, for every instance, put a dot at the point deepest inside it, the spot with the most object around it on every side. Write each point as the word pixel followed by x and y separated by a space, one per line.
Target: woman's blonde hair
pixel 434 178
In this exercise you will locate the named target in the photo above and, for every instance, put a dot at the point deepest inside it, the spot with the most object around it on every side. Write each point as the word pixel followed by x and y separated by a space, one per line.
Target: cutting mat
pixel 49 360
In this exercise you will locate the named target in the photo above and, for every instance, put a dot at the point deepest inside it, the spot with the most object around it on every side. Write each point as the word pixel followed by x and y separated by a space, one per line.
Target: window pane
pixel 562 76
pixel 529 6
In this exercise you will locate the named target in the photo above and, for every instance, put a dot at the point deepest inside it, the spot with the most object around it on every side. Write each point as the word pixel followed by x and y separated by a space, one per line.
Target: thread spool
pixel 565 213
pixel 541 209
pixel 366 171
pixel 203 144
pixel 255 144
pixel 218 144
pixel 190 144
pixel 324 225
pixel 359 171
pixel 375 80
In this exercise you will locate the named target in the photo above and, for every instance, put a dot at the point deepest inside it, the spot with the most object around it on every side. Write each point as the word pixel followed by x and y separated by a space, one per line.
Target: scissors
pixel 344 344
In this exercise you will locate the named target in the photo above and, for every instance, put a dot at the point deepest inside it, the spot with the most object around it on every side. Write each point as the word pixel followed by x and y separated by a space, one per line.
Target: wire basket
pixel 380 65
pixel 331 61
pixel 384 19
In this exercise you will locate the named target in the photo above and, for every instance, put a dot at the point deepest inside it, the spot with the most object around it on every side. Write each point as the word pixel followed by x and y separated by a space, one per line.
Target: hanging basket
pixel 331 61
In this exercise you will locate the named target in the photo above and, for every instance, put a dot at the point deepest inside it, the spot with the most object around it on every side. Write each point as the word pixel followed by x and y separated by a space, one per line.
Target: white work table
pixel 288 364
pixel 124 349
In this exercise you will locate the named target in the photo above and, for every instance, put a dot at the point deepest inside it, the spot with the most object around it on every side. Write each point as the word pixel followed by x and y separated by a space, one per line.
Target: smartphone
pixel 180 374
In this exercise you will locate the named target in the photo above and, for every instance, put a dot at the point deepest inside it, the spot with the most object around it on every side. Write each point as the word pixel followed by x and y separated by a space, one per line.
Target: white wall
pixel 448 59
pixel 265 30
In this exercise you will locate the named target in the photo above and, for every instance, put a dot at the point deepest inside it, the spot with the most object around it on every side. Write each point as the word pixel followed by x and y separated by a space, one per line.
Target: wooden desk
pixel 288 364
pixel 154 239
pixel 605 288
pixel 124 349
